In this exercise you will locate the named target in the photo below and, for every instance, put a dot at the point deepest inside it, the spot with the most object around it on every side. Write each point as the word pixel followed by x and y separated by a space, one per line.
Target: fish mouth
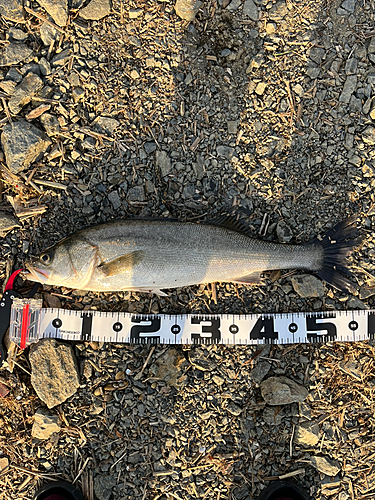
pixel 36 274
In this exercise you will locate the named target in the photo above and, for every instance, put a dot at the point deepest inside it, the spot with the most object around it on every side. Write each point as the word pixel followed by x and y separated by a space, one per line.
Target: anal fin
pixel 249 279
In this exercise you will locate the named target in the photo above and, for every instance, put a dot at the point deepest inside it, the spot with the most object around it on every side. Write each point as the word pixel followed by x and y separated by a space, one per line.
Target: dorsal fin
pixel 230 222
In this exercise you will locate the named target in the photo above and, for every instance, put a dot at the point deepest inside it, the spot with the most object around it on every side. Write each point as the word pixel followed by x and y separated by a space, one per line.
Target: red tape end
pixel 12 277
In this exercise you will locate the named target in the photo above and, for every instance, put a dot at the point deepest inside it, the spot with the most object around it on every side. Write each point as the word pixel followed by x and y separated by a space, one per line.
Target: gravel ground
pixel 260 110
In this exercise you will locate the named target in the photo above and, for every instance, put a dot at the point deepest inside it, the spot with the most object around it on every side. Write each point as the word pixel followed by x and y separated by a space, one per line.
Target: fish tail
pixel 337 244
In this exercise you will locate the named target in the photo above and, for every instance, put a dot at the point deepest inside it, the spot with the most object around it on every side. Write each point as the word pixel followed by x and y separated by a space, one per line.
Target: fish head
pixel 69 263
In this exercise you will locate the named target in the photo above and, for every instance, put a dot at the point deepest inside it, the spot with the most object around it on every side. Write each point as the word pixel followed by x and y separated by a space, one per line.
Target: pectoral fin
pixel 249 279
pixel 121 264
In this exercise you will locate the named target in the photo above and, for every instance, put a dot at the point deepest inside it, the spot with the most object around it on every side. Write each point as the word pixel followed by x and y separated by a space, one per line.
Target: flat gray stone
pixel 283 231
pixel 225 151
pixel 24 92
pixel 282 391
pixel 199 360
pixel 14 53
pixel 54 371
pixel 351 66
pixel 307 286
pixel 50 123
pixel 105 125
pixel 163 162
pixel 136 193
pixel 350 86
pixel 368 135
pixel 171 367
pixel 61 58
pixel 325 466
pixel 278 11
pixel 307 434
pixel 57 9
pixel 96 9
pixel 115 199
pixel 187 9
pixel 349 5
pixel 22 144
pixel 12 10
pixel 250 10
pixel 45 424
pixel 258 373
pixel 234 5
pixel 48 34
pixel 150 147
pixel 7 222
pixel 371 47
pixel 103 486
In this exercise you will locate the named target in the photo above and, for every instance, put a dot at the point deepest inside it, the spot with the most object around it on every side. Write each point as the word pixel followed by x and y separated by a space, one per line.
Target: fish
pixel 150 255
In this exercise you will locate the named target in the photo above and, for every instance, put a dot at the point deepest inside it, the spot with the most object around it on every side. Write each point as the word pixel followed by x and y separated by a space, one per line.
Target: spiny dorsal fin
pixel 230 222
pixel 121 264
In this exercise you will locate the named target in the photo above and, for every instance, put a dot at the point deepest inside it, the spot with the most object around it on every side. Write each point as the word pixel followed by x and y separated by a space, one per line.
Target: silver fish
pixel 150 255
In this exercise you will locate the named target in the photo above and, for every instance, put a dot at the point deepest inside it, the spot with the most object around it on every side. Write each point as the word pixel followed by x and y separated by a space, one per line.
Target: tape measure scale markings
pixel 30 322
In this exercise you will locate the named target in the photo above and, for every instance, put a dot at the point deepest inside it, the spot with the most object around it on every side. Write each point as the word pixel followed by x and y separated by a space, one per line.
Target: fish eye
pixel 45 258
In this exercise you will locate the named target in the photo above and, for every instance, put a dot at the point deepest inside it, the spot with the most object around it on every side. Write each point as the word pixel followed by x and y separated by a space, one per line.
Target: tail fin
pixel 337 244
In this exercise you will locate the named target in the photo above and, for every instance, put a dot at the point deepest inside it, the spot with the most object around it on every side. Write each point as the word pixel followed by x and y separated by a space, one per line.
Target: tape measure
pixel 30 322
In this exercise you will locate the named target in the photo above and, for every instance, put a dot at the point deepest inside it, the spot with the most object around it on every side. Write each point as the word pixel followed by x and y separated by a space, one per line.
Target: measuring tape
pixel 30 322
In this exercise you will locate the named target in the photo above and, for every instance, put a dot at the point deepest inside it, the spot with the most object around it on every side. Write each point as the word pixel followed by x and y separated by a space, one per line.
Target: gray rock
pixel 163 162
pixel 198 358
pixel 307 286
pixel 187 9
pixel 54 371
pixel 14 53
pixel 136 193
pixel 371 47
pixel 78 94
pixel 351 66
pixel 283 231
pixel 12 10
pixel 282 391
pixel 7 222
pixel 44 66
pixel 234 5
pixel 171 367
pixel 355 303
pixel 105 125
pixel 24 92
pixel 225 151
pixel 272 416
pixel 115 199
pixel 327 467
pixel 258 373
pixel 233 409
pixel 368 135
pixel 14 75
pixel 50 123
pixel 250 10
pixel 103 486
pixel 22 144
pixel 150 147
pixel 307 434
pixel 48 34
pixel 57 9
pixel 278 10
pixel 232 127
pixel 17 35
pixel 316 54
pixel 350 86
pixel 96 9
pixel 61 58
pixel 349 5
pixel 45 424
